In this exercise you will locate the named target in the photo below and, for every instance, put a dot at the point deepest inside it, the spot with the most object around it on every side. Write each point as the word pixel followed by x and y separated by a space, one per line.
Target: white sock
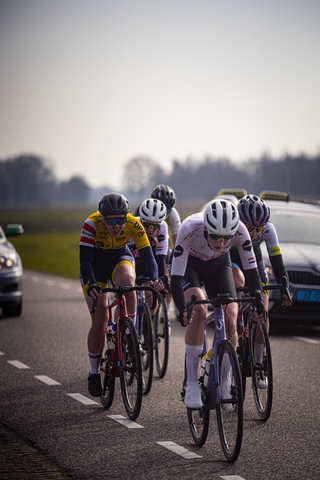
pixel 133 317
pixel 258 350
pixel 193 355
pixel 94 362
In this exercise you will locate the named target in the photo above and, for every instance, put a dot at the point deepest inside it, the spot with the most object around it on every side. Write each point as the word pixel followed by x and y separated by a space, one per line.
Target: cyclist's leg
pixel 124 274
pixel 194 337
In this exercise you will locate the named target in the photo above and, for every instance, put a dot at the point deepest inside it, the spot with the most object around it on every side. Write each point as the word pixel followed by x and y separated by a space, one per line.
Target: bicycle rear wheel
pixel 161 337
pixel 230 407
pixel 146 346
pixel 107 380
pixel 261 370
pixel 130 368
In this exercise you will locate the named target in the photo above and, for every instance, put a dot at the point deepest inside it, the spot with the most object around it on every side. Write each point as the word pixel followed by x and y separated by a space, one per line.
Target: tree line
pixel 30 179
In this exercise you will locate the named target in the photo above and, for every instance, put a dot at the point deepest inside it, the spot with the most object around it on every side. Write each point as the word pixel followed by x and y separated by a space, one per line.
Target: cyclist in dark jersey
pixel 104 255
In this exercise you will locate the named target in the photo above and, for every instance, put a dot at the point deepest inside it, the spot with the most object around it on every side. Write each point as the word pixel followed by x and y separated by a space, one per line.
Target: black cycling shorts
pixel 215 275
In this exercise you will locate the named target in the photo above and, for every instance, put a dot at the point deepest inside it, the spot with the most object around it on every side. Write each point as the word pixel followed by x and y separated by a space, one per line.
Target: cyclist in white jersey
pixel 201 258
pixel 255 214
pixel 167 196
pixel 152 216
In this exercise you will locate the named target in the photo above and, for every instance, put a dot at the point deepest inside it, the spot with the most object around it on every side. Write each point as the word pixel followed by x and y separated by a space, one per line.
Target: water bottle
pixel 111 335
pixel 205 367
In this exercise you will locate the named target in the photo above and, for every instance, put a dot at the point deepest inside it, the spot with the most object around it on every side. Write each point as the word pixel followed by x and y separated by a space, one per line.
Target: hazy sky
pixel 91 84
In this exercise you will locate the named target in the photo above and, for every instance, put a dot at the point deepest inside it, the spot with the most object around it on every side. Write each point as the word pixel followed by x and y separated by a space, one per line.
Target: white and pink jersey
pixel 191 241
pixel 162 242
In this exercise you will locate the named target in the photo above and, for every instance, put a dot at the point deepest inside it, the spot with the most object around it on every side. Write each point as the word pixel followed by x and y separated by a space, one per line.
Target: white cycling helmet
pixel 153 210
pixel 221 217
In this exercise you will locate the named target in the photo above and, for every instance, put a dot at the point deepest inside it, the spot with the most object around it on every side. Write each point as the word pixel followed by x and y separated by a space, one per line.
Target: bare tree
pixel 141 175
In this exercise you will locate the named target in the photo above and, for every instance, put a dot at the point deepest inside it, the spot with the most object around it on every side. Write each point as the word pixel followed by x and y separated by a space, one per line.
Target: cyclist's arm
pixel 151 265
pixel 177 292
pixel 86 272
pixel 161 262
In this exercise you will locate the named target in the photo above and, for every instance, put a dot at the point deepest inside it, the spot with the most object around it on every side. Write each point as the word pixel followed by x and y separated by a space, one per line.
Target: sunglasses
pixel 155 226
pixel 112 221
pixel 220 237
pixel 254 229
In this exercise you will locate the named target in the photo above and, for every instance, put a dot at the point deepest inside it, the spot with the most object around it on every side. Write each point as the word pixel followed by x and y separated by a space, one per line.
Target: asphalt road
pixel 52 428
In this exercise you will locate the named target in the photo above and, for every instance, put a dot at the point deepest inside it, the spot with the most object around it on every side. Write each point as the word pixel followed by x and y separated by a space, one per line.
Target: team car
pixel 298 228
pixel 10 273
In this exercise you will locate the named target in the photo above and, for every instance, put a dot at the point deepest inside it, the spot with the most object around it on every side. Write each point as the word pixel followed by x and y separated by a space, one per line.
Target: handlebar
pixel 225 299
pixel 120 291
pixel 283 286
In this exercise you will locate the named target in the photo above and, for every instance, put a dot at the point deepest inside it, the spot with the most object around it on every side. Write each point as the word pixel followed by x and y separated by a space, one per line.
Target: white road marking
pixel 50 283
pixel 46 380
pixel 232 477
pixel 175 448
pixel 18 364
pixel 125 421
pixel 1 353
pixel 65 286
pixel 82 399
pixel 35 279
pixel 307 340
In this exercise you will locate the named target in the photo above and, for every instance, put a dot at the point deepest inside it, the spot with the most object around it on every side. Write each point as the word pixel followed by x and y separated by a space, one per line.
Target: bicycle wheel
pixel 230 406
pixel 146 346
pixel 107 380
pixel 161 337
pixel 130 368
pixel 261 370
pixel 244 364
pixel 199 421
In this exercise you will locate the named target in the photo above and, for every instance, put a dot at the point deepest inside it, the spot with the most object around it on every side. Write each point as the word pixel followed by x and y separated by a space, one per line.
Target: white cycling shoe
pixel 261 379
pixel 192 397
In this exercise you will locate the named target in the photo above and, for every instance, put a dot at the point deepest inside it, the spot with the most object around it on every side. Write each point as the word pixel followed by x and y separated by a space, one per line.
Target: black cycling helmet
pixel 165 194
pixel 253 211
pixel 113 204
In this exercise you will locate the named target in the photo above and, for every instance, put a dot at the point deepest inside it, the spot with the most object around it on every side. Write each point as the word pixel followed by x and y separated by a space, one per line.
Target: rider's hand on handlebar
pixel 157 284
pixel 258 317
pixel 183 317
pixel 286 302
pixel 94 290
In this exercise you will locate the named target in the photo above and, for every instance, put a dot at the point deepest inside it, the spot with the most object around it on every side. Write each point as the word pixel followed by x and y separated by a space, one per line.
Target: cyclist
pixel 104 255
pixel 152 216
pixel 201 257
pixel 167 196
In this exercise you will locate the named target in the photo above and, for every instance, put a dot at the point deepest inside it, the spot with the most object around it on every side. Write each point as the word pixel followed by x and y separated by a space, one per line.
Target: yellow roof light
pixel 272 195
pixel 237 192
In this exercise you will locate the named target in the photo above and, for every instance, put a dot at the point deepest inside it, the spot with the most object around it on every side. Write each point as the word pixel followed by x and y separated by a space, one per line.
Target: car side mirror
pixel 14 229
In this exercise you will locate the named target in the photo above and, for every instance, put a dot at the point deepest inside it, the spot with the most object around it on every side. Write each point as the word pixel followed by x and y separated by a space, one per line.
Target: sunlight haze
pixel 92 84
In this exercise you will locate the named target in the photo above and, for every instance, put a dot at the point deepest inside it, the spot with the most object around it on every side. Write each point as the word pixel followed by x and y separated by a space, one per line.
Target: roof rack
pixel 273 195
pixel 236 192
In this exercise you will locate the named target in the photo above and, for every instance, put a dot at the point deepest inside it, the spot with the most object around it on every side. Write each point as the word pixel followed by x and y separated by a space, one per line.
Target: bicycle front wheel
pixel 107 380
pixel 146 346
pixel 130 368
pixel 261 370
pixel 161 337
pixel 230 405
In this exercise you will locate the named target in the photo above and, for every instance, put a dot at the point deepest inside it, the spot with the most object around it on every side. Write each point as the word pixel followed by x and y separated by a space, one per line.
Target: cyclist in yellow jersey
pixel 104 255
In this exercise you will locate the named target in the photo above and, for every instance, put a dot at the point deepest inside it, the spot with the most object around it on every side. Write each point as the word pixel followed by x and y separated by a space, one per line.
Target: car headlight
pixel 6 262
pixel 270 273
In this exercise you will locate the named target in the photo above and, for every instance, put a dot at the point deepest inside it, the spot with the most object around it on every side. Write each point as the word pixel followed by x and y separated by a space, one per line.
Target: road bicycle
pixel 160 327
pixel 223 368
pixel 124 360
pixel 254 352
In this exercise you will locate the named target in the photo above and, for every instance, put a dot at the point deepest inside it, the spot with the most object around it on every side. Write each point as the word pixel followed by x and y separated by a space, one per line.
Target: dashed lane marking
pixel 52 283
pixel 181 451
pixel 82 399
pixel 18 364
pixel 307 340
pixel 1 353
pixel 46 380
pixel 232 477
pixel 125 421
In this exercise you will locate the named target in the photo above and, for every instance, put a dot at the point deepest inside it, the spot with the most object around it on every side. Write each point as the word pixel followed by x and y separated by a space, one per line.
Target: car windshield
pixel 297 228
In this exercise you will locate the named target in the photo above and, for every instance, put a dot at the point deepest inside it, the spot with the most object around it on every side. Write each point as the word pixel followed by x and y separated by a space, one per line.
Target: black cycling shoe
pixel 94 384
